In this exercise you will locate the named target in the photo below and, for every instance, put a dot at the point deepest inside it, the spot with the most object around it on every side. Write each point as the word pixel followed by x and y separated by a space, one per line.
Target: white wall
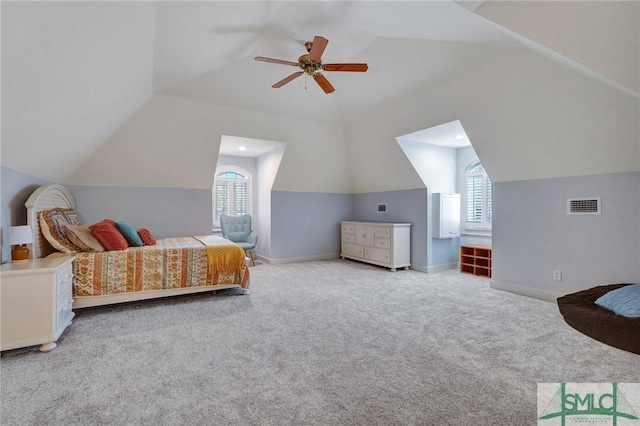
pixel 527 117
pixel 72 73
pixel 437 167
pixel 600 35
pixel 268 165
pixel 172 142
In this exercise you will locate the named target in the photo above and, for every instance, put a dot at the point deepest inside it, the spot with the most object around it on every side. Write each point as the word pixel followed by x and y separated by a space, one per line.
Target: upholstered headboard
pixel 44 198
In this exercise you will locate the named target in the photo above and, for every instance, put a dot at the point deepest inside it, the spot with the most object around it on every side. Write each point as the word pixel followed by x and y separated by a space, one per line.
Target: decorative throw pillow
pixel 72 217
pixel 81 236
pixel 146 237
pixel 112 222
pixel 52 224
pixel 130 234
pixel 623 301
pixel 108 235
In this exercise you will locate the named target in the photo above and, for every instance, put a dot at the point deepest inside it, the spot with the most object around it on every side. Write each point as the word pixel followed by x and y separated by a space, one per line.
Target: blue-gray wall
pixel 166 212
pixel 533 235
pixel 406 206
pixel 16 189
pixel 307 224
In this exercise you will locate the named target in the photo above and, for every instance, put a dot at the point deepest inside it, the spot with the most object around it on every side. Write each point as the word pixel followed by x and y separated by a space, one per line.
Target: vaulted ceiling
pixel 74 72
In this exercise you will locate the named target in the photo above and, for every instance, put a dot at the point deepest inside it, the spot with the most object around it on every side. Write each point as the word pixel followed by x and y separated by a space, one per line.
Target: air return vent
pixel 589 205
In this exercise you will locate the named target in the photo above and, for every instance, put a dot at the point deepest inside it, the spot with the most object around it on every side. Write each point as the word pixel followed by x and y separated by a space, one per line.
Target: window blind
pixel 240 201
pixel 474 198
pixel 222 198
pixel 232 196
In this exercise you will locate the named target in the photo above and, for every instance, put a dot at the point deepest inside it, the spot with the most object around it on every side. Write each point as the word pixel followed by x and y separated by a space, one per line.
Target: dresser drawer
pixel 64 312
pixel 352 250
pixel 64 279
pixel 384 243
pixel 378 255
pixel 384 232
pixel 348 238
pixel 348 228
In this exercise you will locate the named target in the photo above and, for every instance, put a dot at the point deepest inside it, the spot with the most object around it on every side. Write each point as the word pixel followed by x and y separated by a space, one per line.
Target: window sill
pixel 477 232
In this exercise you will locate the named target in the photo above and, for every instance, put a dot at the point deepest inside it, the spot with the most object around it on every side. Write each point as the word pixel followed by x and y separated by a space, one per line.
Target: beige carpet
pixel 315 343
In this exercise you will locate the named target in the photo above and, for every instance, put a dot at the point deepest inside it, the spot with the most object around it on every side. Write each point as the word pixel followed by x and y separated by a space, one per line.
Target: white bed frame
pixel 51 196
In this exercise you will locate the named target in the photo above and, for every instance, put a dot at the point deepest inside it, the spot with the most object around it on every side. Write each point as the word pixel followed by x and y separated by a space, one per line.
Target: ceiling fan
pixel 311 63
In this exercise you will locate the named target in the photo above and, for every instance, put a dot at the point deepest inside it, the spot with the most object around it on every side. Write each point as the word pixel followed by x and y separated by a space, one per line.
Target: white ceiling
pixel 73 73
pixel 204 52
pixel 246 147
pixel 450 135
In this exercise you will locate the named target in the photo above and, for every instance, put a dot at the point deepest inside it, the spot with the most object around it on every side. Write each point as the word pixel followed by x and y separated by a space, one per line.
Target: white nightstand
pixel 36 302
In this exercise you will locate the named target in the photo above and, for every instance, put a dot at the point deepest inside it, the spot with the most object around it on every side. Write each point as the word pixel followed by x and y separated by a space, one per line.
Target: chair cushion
pixel 236 228
pixel 246 246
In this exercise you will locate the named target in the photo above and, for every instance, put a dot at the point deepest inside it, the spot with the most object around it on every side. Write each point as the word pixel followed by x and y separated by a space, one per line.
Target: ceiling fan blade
pixel 275 61
pixel 323 83
pixel 345 67
pixel 319 44
pixel 287 79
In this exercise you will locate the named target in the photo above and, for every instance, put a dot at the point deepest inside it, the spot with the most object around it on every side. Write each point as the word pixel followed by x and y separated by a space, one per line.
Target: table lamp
pixel 20 236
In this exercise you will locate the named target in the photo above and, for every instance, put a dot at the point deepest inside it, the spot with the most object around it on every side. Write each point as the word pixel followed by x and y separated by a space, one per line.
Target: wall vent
pixel 589 205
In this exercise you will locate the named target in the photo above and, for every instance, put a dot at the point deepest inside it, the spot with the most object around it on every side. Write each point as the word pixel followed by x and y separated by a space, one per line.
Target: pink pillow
pixel 109 236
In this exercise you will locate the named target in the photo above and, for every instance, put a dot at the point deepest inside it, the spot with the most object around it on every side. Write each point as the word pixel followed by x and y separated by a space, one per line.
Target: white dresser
pixel 378 243
pixel 36 302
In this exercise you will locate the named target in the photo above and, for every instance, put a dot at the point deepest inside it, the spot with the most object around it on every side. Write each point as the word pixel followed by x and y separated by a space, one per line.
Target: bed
pixel 581 312
pixel 172 266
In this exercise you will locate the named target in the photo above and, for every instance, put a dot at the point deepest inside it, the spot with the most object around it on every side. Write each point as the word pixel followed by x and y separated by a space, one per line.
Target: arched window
pixel 232 193
pixel 478 198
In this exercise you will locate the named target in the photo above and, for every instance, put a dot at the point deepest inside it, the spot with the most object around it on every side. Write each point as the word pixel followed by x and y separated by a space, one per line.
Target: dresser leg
pixel 48 347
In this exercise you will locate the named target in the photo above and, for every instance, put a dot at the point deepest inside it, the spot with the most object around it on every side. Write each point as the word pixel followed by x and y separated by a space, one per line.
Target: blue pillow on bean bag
pixel 622 301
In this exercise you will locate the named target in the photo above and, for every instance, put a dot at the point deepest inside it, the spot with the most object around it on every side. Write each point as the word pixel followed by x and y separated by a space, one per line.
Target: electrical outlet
pixel 557 275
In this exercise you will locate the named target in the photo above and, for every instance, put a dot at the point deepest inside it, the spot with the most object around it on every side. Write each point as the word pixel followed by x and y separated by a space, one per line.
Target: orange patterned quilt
pixel 171 263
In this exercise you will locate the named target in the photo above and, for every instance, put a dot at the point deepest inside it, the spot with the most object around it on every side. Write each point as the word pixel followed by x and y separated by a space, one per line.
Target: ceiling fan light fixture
pixel 311 62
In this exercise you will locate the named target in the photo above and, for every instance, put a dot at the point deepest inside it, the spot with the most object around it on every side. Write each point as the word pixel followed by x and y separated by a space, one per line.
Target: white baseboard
pixel 431 269
pixel 280 261
pixel 445 267
pixel 332 256
pixel 536 293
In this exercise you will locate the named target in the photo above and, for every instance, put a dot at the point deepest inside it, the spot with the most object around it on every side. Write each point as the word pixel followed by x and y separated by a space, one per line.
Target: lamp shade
pixel 20 235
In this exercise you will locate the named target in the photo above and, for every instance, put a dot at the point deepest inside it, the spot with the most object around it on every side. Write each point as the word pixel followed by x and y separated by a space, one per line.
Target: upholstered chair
pixel 238 229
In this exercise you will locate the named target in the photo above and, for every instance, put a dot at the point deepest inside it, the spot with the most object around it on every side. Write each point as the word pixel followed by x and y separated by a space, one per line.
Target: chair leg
pixel 251 256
